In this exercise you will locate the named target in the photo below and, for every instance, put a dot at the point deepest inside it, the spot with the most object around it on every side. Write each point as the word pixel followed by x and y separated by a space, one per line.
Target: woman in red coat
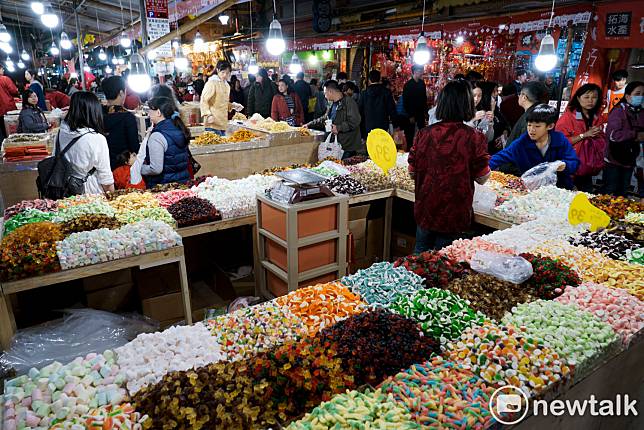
pixel 582 125
pixel 445 161
pixel 287 106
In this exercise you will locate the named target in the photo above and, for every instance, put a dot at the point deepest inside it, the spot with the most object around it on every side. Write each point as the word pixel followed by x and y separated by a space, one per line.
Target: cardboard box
pixel 375 238
pixel 402 244
pixel 163 308
pixel 158 281
pixel 100 282
pixel 112 298
pixel 358 212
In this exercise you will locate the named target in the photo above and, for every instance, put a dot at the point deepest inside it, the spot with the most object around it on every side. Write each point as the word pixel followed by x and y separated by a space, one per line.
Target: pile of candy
pixel 254 329
pixel 585 261
pixel 401 178
pixel 636 256
pixel 575 334
pixel 510 182
pixel 464 249
pixel 356 159
pixel 345 185
pixel 147 358
pixel 99 246
pixel 616 307
pixel 547 200
pixel 616 207
pixel 28 216
pixel 503 355
pixel 168 198
pixel 634 232
pixel 44 205
pixel 442 394
pixel 108 417
pixel 437 269
pixel 375 412
pixel 325 171
pixel 111 195
pixel 89 222
pixel 193 210
pixel 379 284
pixel 81 199
pixel 632 217
pixel 550 277
pixel 489 295
pixel 611 245
pixel 95 207
pixel 371 176
pixel 620 274
pixel 134 201
pixel 153 213
pixel 322 305
pixel 441 314
pixel 57 393
pixel 162 188
pixel 377 344
pixel 30 250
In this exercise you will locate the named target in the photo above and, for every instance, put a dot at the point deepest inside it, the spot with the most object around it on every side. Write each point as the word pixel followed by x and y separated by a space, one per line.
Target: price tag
pixel 581 210
pixel 381 149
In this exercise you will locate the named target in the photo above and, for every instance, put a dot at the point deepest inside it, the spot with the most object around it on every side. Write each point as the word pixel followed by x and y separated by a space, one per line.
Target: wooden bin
pixel 301 244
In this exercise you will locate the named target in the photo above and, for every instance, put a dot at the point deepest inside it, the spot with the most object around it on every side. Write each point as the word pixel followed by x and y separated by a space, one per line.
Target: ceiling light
pixel 138 79
pixel 65 43
pixel 296 66
pixel 10 68
pixel 4 34
pixel 108 69
pixel 253 68
pixel 115 61
pixel 102 55
pixel 275 43
pixel 38 7
pixel 180 61
pixel 547 58
pixel 8 61
pixel 460 39
pixel 7 48
pixel 49 18
pixel 25 55
pixel 21 64
pixel 223 18
pixel 421 53
pixel 152 55
pixel 125 41
pixel 198 40
pixel 54 49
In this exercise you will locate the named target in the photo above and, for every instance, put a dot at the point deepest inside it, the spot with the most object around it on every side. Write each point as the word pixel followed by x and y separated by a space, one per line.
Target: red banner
pixel 156 8
pixel 619 25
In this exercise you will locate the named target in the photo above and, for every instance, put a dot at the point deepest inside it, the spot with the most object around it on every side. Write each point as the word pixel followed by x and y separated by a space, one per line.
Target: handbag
pixel 591 156
pixel 330 148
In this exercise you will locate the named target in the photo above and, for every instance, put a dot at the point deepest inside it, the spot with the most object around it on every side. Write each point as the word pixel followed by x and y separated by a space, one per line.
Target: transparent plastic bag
pixel 80 332
pixel 505 267
pixel 541 175
pixel 243 302
pixel 484 199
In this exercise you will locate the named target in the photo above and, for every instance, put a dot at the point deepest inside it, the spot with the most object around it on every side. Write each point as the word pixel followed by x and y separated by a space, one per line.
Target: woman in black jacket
pixel 31 119
pixel 260 97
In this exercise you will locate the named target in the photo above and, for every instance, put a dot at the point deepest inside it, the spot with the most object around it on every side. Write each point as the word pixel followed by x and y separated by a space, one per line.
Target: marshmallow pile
pixel 548 200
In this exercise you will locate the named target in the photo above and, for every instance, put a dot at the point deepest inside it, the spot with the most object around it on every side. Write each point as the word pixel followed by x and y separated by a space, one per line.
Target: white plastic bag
pixel 330 148
pixel 541 175
pixel 505 267
pixel 484 199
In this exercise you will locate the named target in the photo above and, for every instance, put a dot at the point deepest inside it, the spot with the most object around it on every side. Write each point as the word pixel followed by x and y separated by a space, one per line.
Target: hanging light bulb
pixel 275 43
pixel 73 75
pixel 49 18
pixel 421 53
pixel 313 60
pixel 180 61
pixel 139 79
pixel 86 68
pixel 198 40
pixel 21 65
pixel 115 61
pixel 102 55
pixel 296 66
pixel 152 55
pixel 175 44
pixel 38 7
pixel 125 41
pixel 54 49
pixel 7 48
pixel 8 61
pixel 4 34
pixel 460 39
pixel 108 69
pixel 223 18
pixel 65 43
pixel 25 55
pixel 11 68
pixel 121 61
pixel 547 58
pixel 253 68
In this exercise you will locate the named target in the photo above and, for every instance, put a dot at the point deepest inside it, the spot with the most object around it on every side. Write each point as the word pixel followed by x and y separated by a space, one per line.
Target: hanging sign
pixel 156 9
pixel 381 149
pixel 581 210
pixel 158 24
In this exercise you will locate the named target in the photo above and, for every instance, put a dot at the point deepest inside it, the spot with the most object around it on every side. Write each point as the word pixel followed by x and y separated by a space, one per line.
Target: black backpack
pixel 55 174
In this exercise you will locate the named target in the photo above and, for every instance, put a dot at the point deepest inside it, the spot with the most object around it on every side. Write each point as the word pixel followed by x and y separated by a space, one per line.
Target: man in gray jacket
pixel 345 119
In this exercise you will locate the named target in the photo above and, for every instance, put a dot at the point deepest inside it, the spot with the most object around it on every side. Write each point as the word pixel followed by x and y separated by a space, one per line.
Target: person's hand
pixel 498 143
pixel 561 168
pixel 592 131
pixel 305 126
pixel 489 115
pixel 479 115
pixel 334 129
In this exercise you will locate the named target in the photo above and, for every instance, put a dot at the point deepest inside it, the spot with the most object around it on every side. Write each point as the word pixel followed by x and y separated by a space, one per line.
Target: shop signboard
pixel 619 25
pixel 158 24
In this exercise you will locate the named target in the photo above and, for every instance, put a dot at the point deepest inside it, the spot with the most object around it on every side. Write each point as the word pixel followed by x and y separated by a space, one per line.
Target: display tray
pixel 225 147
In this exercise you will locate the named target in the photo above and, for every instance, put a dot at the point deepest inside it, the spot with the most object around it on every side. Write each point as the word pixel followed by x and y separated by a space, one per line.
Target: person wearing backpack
pixel 83 146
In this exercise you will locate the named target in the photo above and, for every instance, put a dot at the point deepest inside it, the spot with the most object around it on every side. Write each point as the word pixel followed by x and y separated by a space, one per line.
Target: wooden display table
pixel 143 261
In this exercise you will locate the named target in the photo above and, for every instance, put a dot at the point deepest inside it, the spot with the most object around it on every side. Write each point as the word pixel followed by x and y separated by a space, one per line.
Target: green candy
pixel 27 217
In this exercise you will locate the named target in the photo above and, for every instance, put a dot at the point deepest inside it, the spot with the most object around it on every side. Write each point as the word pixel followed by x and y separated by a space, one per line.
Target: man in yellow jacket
pixel 215 99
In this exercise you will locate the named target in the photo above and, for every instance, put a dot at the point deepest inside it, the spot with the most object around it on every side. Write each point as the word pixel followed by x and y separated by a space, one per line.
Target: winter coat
pixel 175 158
pixel 260 98
pixel 572 124
pixel 7 92
pixel 377 108
pixel 32 120
pixel 415 100
pixel 303 91
pixel 347 120
pixel 280 110
pixel 624 122
pixel 215 101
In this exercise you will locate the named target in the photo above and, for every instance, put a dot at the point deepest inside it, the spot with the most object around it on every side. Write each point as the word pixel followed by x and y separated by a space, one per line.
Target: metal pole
pixel 79 42
pixel 143 16
pixel 564 68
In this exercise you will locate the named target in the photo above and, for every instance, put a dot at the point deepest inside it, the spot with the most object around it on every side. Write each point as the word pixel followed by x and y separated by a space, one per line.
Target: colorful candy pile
pixel 635 256
pixel 322 305
pixel 254 329
pixel 371 176
pixel 550 277
pixel 503 355
pixel 81 199
pixel 153 213
pixel 89 222
pixel 441 314
pixel 168 198
pixel 632 217
pixel 401 178
pixel 79 209
pixel 111 195
pixel 379 284
pixel 147 358
pixel 325 171
pixel 634 232
pixel 28 216
pixel 577 335
pixel 545 201
pixel 356 159
pixel 134 201
pixel 616 307
pixel 377 344
pixel 620 274
pixel 30 250
pixel 44 205
pixel 464 249
pixel 63 393
pixel 616 207
pixel 193 210
pixel 108 417
pixel 489 295
pixel 162 188
pixel 437 268
pixel 585 261
pixel 353 409
pixel 99 246
pixel 611 245
pixel 345 185
pixel 510 182
pixel 442 394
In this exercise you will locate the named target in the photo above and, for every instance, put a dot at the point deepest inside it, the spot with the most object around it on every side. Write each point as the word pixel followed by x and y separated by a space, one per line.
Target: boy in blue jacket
pixel 540 144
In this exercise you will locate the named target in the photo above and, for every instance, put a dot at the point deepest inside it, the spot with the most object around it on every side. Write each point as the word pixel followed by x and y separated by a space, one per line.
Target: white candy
pixel 548 201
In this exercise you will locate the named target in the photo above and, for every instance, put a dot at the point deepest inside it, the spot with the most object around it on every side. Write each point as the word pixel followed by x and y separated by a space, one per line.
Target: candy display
pixel 547 200
pixel 464 249
pixel 620 274
pixel 379 284
pixel 209 138
pixel 377 344
pixel 585 261
pixel 502 355
pixel 134 201
pixel 168 198
pixel 322 305
pixel 437 269
pixel 111 195
pixel 63 393
pixel 442 394
pixel 402 179
pixel 577 335
pixel 97 207
pixel 616 207
pixel 156 213
pixel 632 217
pixel 505 180
pixel 193 210
pixel 172 186
pixel 44 205
pixel 27 216
pixel 81 199
pixel 634 232
pixel 108 417
pixel 356 159
pixel 635 256
pixel 254 329
pixel 611 245
pixel 441 314
pixel 147 358
pixel 376 412
pixel 325 171
pixel 550 277
pixel 345 185
pixel 489 295
pixel 30 250
pixel 234 198
pixel 370 175
pixel 99 246
pixel 89 222
pixel 240 135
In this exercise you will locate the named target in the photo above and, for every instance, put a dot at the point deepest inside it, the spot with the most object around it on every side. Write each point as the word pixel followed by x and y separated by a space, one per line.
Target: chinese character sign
pixel 156 8
pixel 619 24
pixel 158 24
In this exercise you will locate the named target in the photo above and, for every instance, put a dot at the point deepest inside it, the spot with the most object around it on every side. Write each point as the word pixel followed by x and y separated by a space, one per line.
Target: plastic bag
pixel 80 332
pixel 541 175
pixel 330 148
pixel 340 169
pixel 484 199
pixel 505 267
pixel 243 302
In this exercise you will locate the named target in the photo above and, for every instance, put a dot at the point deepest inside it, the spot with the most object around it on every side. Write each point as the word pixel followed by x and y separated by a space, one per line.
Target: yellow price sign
pixel 581 210
pixel 381 149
